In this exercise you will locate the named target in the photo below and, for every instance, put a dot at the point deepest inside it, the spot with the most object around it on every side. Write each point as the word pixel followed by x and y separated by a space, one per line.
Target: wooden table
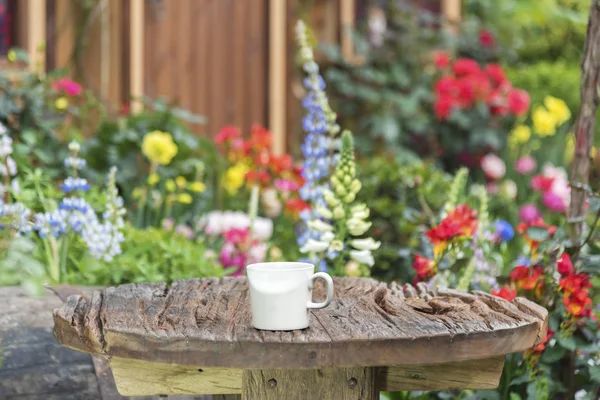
pixel 196 337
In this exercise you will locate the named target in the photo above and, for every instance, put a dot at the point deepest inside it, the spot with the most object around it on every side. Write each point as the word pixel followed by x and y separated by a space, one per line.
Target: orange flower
pixel 527 278
pixel 542 346
pixel 295 206
pixel 579 304
pixel 260 138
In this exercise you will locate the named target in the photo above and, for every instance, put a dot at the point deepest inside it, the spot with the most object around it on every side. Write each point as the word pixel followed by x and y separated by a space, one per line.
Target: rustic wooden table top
pixel 207 322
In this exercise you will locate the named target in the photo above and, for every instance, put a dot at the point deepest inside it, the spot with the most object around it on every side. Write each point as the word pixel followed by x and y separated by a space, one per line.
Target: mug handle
pixel 329 283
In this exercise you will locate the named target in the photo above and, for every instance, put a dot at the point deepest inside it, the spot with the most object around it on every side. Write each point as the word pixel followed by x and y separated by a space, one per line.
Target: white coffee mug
pixel 281 293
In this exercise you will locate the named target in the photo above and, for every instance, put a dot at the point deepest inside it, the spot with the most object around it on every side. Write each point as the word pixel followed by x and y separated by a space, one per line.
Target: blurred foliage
pixel 403 199
pixel 118 143
pixel 149 255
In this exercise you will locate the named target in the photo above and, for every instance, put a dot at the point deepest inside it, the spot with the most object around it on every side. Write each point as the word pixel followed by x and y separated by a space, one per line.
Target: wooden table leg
pixel 325 384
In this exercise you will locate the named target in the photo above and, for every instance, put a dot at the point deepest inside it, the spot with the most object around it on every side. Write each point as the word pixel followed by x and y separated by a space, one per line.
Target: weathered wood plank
pixel 207 322
pixel 142 378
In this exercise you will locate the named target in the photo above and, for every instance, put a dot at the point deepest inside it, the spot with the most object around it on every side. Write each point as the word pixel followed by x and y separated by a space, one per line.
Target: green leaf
pixel 515 396
pixel 594 204
pixel 538 233
pixel 553 354
pixel 567 342
pixel 595 373
pixel 520 380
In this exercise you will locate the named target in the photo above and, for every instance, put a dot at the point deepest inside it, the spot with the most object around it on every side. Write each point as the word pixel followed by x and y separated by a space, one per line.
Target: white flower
pixel 352 268
pixel 493 166
pixel 363 257
pixel 216 222
pixel 365 244
pixel 74 146
pixel 5 146
pixel 360 212
pixel 324 212
pixel 357 227
pixel 271 203
pixel 336 245
pixel 319 226
pixel 327 237
pixel 313 245
pixel 15 187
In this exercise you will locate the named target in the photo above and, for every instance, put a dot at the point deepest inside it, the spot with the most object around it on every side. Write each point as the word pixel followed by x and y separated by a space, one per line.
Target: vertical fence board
pixel 199 60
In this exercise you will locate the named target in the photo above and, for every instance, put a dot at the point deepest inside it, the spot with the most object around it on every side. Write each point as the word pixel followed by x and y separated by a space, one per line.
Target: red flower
pixel 424 267
pixel 497 103
pixel 506 293
pixel 295 206
pixel 446 86
pixel 281 163
pixel 260 138
pixel 443 107
pixel 261 177
pixel 460 222
pixel 226 134
pixel 579 304
pixel 441 60
pixel 496 74
pixel 574 283
pixel 542 183
pixel 542 346
pixel 465 66
pixel 564 266
pixel 486 38
pixel 519 273
pixel 518 101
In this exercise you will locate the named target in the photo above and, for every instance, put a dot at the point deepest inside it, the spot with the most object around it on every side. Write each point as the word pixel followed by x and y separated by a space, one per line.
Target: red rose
pixel 446 86
pixel 486 38
pixel 564 265
pixel 518 101
pixel 506 293
pixel 496 74
pixel 465 66
pixel 443 107
pixel 441 60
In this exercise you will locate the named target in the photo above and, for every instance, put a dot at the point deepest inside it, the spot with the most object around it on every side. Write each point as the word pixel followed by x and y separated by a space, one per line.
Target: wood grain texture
pixel 207 322
pixel 143 378
pixel 324 384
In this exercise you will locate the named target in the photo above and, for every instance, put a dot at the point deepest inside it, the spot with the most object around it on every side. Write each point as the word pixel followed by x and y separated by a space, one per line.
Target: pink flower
pixel 493 166
pixel 286 185
pixel 236 236
pixel 168 223
pixel 231 257
pixel 492 187
pixel 185 231
pixel 554 202
pixel 542 183
pixel 70 87
pixel 525 165
pixel 257 253
pixel 529 213
pixel 518 101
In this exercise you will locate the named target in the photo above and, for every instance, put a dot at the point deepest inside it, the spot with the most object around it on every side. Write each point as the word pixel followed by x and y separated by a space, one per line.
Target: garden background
pixel 162 140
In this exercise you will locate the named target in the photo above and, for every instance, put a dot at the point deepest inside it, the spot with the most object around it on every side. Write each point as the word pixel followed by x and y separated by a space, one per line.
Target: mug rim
pixel 271 266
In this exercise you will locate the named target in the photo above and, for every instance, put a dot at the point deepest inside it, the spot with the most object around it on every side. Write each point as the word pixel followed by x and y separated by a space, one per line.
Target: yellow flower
pixel 569 148
pixel 159 147
pixel 544 122
pixel 61 103
pixel 180 181
pixel 137 193
pixel 12 55
pixel 153 179
pixel 197 187
pixel 521 134
pixel 234 178
pixel 170 185
pixel 558 108
pixel 184 198
pixel 593 152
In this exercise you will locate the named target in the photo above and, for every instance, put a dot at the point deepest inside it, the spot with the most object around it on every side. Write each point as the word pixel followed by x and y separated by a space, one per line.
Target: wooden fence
pixel 228 60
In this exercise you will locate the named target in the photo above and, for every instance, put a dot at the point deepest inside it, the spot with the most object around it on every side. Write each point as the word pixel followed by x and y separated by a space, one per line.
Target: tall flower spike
pixel 456 188
pixel 319 145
